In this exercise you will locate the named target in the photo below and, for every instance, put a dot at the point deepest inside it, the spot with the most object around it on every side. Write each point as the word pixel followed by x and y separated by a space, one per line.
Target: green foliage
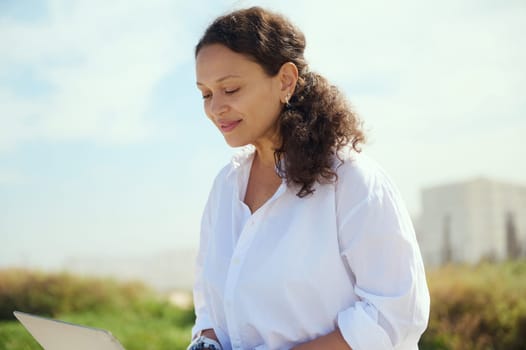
pixel 141 331
pixel 480 307
pixel 138 317
pixel 15 337
pixel 55 294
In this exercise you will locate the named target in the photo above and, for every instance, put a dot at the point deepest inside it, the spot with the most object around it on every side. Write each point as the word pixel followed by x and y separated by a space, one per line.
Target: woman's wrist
pixel 209 333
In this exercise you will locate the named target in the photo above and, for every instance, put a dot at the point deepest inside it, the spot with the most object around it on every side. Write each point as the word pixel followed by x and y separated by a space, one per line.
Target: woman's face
pixel 239 97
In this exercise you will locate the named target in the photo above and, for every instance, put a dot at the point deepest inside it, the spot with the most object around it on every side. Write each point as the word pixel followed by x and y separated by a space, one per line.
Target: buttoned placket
pixel 239 254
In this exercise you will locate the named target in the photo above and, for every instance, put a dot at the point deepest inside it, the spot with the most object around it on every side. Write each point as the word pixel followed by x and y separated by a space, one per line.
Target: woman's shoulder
pixel 358 167
pixel 360 176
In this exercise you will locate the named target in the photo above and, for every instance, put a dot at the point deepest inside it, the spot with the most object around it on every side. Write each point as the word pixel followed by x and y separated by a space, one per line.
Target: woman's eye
pixel 231 91
pixel 205 96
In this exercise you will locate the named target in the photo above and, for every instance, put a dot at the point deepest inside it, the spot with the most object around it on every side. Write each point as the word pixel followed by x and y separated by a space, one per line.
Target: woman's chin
pixel 235 142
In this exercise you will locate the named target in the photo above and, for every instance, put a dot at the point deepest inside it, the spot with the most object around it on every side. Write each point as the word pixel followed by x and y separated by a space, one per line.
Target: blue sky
pixel 105 149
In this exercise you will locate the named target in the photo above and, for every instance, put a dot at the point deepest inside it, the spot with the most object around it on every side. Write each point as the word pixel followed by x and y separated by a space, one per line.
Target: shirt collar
pixel 242 157
pixel 245 155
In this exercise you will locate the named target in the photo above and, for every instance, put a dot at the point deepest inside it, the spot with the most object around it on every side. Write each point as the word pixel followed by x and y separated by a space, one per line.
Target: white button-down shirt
pixel 298 268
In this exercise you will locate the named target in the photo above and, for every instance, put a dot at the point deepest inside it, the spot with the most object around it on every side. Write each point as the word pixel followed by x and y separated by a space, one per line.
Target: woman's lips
pixel 229 126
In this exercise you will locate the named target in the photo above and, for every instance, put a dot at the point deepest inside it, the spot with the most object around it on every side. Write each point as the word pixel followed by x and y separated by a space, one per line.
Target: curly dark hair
pixel 318 121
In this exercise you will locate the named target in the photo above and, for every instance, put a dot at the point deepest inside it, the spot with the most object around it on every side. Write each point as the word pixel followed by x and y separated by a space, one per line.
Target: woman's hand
pixel 206 339
pixel 210 333
pixel 333 341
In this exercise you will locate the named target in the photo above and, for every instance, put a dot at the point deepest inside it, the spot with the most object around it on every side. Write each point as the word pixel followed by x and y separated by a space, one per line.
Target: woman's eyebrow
pixel 230 76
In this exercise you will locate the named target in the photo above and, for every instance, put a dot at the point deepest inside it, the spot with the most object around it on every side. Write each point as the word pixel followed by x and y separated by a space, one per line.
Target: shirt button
pixel 235 261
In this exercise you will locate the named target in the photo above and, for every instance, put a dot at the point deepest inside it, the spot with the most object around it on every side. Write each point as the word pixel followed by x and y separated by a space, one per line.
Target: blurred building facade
pixel 472 221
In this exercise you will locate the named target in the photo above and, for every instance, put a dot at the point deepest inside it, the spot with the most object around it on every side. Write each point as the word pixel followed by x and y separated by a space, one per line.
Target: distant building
pixel 471 221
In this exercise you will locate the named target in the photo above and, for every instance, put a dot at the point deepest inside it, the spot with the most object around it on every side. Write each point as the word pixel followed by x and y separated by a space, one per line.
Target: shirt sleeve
pixel 203 320
pixel 378 244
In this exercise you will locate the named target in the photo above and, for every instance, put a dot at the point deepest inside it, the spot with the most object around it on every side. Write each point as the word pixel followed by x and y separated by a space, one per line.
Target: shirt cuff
pixel 360 329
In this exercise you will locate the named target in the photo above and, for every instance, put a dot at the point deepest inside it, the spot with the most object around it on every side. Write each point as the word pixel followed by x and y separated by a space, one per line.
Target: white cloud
pixel 102 60
pixel 11 177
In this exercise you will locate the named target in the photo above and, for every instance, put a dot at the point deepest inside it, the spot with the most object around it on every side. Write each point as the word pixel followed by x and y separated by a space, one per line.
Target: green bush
pixel 478 307
pixel 138 317
pixel 54 294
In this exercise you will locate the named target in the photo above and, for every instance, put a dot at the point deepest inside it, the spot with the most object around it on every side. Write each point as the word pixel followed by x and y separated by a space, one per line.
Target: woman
pixel 305 243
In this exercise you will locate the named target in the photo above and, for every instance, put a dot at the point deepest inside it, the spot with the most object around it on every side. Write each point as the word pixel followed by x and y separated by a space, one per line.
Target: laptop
pixel 58 335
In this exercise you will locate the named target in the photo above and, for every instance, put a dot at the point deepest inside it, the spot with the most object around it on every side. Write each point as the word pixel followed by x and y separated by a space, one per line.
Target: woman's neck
pixel 265 155
pixel 265 148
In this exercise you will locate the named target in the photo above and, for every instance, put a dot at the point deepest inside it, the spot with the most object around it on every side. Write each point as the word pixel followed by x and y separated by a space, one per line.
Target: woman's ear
pixel 288 77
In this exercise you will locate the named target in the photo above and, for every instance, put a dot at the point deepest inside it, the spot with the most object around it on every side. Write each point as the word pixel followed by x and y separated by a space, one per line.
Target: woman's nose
pixel 218 106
